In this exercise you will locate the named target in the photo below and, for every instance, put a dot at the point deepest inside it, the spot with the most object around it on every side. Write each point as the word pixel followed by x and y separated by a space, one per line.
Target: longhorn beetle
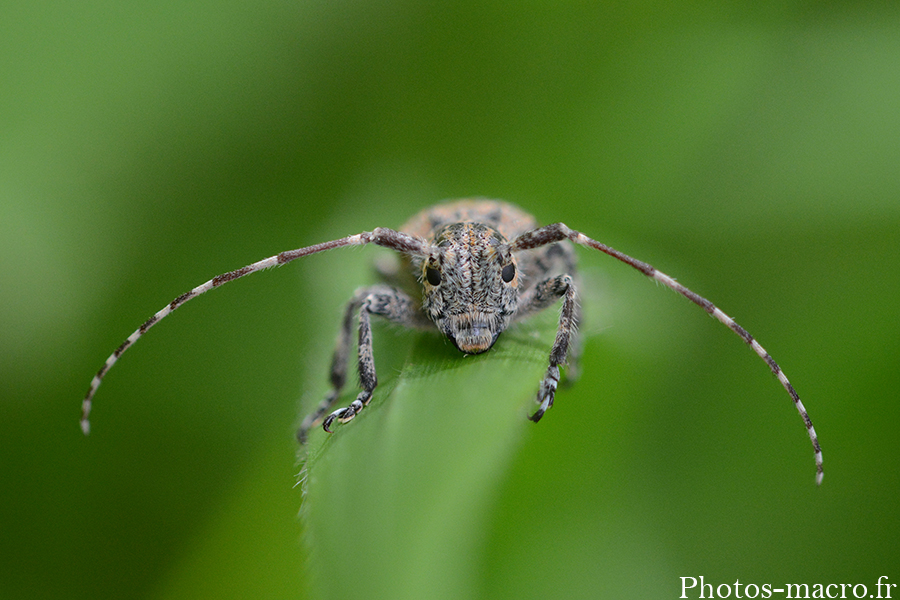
pixel 482 265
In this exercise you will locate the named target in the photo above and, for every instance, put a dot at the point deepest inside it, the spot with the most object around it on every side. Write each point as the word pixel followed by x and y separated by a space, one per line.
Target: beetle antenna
pixel 558 232
pixel 389 238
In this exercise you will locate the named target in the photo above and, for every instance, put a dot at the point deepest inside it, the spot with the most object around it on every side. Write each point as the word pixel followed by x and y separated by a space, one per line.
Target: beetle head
pixel 470 283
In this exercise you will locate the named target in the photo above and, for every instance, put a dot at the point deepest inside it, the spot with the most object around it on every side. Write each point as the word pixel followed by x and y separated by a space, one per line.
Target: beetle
pixel 481 265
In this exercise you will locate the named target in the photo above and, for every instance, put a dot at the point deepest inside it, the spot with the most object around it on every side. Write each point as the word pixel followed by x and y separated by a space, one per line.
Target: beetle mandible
pixel 482 265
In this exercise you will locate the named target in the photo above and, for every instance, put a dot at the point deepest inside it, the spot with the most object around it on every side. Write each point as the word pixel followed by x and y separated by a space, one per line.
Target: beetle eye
pixel 433 276
pixel 508 272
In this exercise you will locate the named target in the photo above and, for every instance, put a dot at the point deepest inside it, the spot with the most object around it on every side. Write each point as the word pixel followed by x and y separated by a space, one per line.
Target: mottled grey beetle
pixel 482 264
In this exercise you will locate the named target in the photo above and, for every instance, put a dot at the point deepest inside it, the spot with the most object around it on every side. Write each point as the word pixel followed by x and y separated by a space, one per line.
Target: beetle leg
pixel 539 297
pixel 386 302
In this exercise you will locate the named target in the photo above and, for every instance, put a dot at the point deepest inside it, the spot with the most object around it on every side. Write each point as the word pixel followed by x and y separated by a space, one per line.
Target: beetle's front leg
pixel 538 298
pixel 338 366
pixel 393 305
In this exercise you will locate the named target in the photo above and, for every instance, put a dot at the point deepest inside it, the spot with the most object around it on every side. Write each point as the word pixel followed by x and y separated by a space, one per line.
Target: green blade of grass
pixel 398 500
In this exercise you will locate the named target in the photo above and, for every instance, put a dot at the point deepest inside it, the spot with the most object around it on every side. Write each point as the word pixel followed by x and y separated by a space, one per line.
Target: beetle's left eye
pixel 433 276
pixel 508 272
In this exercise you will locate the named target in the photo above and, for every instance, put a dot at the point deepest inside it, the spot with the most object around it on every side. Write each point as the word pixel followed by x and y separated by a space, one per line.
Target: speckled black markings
pixel 480 266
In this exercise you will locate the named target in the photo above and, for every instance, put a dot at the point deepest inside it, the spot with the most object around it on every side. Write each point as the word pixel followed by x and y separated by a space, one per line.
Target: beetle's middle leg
pixel 390 303
pixel 537 298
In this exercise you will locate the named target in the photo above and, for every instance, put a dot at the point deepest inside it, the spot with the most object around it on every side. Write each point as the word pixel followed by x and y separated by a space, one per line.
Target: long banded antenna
pixel 559 231
pixel 381 236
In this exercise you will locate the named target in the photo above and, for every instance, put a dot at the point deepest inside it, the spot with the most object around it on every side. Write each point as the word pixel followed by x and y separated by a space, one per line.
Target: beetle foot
pixel 546 392
pixel 343 415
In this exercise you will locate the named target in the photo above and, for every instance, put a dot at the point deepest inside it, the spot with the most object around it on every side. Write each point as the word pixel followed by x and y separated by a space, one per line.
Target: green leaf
pixel 398 500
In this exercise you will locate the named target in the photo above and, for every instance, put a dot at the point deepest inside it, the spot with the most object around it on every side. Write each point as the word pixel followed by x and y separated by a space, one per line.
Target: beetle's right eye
pixel 433 276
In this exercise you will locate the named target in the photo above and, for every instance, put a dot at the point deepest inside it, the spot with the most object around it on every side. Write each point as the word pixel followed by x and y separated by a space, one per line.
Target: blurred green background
pixel 752 151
